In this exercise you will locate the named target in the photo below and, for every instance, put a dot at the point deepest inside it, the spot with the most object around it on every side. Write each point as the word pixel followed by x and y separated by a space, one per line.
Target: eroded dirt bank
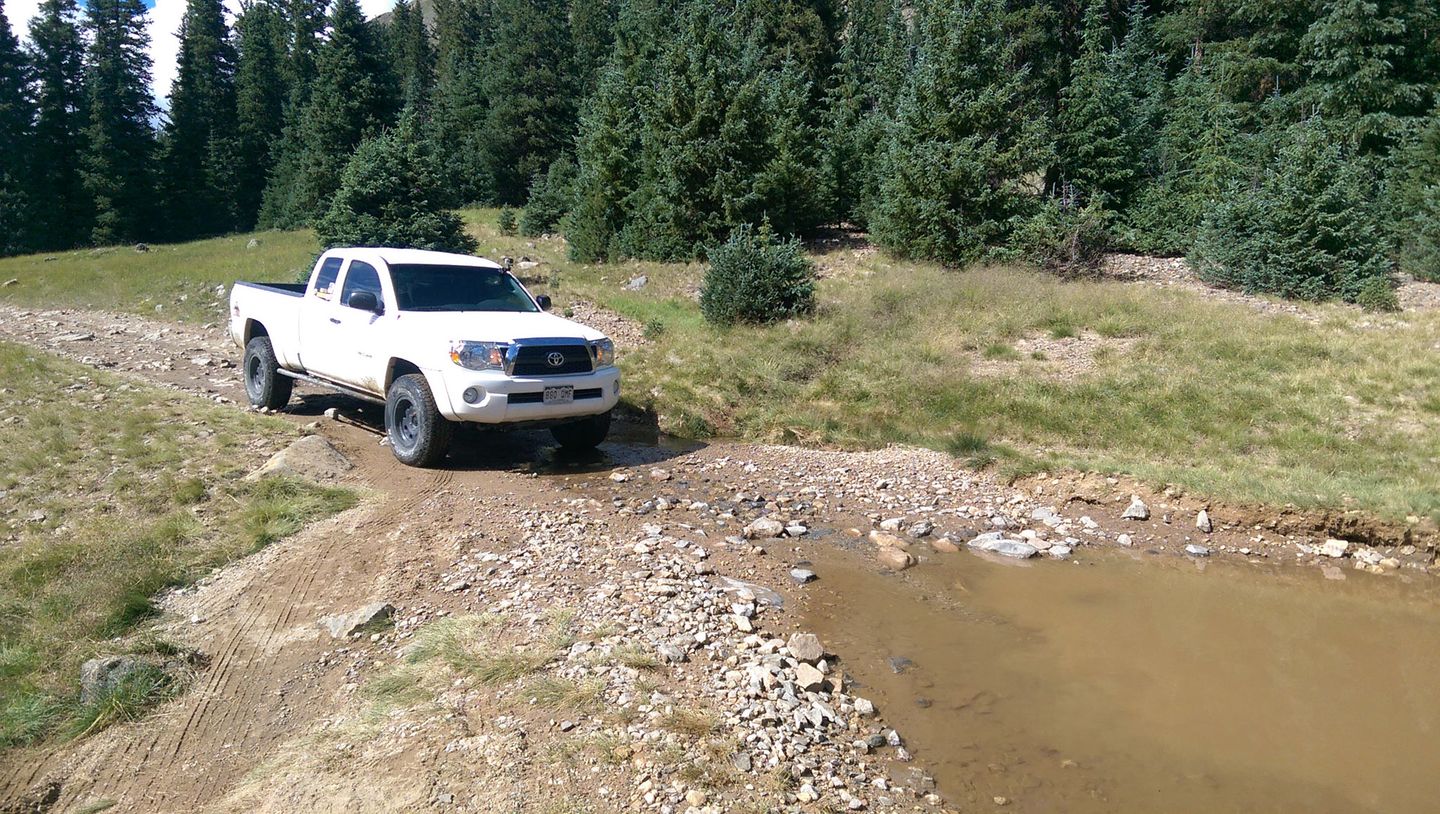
pixel 646 634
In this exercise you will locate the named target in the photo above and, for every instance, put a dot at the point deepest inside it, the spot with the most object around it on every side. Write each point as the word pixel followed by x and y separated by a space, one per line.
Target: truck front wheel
pixel 587 433
pixel 419 435
pixel 263 382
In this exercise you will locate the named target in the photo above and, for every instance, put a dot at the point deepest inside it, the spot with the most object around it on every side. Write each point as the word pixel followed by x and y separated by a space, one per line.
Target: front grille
pixel 537 398
pixel 533 360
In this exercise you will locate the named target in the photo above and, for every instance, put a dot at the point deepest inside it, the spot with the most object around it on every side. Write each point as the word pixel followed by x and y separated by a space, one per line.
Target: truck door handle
pixel 334 320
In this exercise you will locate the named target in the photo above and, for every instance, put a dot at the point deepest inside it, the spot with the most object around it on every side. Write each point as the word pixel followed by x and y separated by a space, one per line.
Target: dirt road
pixel 636 544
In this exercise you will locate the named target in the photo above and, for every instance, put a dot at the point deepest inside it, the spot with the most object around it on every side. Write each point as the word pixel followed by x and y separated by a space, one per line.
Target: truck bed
pixel 288 289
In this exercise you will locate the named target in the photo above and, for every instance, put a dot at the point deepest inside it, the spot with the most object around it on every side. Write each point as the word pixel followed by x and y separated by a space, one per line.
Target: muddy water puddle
pixel 1164 685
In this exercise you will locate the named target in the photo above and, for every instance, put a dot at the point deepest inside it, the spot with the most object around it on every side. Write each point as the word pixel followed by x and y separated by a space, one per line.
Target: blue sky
pixel 164 23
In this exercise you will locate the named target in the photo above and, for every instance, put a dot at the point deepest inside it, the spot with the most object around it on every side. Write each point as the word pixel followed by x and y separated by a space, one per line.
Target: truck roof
pixel 418 257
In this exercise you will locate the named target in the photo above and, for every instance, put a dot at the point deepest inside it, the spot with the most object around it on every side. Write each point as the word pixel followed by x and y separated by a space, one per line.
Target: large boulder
pixel 103 674
pixel 310 458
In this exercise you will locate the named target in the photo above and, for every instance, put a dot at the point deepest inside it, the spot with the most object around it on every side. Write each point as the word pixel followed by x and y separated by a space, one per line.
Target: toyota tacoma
pixel 436 338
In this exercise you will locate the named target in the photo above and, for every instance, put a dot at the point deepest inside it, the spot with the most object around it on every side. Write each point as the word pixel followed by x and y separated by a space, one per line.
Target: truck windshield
pixel 457 288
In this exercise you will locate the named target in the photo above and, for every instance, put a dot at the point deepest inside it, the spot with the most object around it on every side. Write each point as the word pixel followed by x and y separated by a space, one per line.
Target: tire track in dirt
pixel 262 684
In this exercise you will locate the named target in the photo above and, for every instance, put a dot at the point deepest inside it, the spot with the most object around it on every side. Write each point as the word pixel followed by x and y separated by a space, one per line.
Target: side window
pixel 360 277
pixel 325 280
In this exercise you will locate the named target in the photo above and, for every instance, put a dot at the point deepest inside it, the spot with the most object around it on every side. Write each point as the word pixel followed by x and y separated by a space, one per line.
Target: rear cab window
pixel 361 277
pixel 324 287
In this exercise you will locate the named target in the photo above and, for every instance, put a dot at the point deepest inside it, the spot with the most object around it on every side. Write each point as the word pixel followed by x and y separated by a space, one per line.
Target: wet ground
pixel 1116 684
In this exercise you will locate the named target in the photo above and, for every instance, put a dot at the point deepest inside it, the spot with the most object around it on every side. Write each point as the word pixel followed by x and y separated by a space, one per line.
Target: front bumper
pixel 595 393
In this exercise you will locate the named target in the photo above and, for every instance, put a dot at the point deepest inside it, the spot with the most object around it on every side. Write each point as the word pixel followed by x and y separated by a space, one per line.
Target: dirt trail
pixel 259 622
pixel 273 670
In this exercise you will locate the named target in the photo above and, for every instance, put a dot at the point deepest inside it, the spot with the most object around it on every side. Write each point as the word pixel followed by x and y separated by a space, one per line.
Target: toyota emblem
pixel 555 358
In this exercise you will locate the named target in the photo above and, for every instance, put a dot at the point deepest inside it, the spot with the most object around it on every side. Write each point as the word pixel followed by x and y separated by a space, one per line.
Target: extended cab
pixel 437 338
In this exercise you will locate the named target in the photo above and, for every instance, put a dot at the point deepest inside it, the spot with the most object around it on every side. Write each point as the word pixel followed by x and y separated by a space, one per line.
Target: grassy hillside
pixel 172 282
pixel 1327 407
pixel 109 493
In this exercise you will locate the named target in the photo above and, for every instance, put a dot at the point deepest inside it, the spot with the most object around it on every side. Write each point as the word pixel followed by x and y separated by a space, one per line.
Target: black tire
pixel 587 433
pixel 263 382
pixel 419 435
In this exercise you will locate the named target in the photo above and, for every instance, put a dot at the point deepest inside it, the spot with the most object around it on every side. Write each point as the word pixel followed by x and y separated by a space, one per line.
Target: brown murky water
pixel 1160 686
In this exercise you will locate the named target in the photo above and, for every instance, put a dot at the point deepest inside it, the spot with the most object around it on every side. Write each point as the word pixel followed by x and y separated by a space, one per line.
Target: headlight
pixel 479 355
pixel 604 352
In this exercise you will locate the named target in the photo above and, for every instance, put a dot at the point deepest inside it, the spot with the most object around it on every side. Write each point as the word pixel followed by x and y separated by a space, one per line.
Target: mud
pixel 1120 685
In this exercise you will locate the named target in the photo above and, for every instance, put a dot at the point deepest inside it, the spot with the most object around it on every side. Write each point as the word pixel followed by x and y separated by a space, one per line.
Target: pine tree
pixel 592 35
pixel 1414 199
pixel 1356 53
pixel 62 210
pixel 463 46
pixel 391 194
pixel 608 170
pixel 16 120
pixel 702 122
pixel 964 142
pixel 799 33
pixel 1200 154
pixel 260 93
pixel 874 59
pixel 120 143
pixel 349 101
pixel 412 57
pixel 792 191
pixel 550 198
pixel 1096 124
pixel 307 21
pixel 1309 228
pixel 200 147
pixel 1137 66
pixel 530 91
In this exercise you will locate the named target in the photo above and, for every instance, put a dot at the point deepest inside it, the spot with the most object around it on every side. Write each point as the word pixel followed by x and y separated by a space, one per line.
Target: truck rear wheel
pixel 263 382
pixel 419 435
pixel 586 433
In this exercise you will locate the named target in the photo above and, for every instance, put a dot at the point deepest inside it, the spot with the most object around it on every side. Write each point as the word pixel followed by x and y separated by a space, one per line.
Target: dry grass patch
pixel 111 493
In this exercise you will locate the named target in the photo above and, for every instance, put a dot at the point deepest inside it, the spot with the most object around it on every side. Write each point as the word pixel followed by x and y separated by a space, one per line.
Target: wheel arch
pixel 254 328
pixel 398 367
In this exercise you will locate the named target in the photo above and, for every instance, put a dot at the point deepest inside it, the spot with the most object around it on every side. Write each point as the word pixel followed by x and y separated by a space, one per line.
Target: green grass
pixel 174 282
pixel 1338 410
pixel 475 648
pixel 104 505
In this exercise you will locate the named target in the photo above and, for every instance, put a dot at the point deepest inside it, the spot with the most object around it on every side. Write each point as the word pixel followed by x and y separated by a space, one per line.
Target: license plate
pixel 559 395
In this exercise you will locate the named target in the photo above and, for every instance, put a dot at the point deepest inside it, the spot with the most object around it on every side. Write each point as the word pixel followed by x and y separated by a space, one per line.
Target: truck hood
pixel 493 326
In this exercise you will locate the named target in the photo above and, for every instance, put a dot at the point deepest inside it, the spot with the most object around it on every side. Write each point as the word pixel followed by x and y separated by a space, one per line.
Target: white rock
pixel 1005 548
pixel 1202 522
pixel 806 647
pixel 764 528
pixel 1137 510
pixel 808 677
pixel 1334 548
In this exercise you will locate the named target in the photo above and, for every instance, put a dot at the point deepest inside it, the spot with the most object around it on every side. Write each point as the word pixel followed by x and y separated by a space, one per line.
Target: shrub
pixel 506 220
pixel 1307 229
pixel 549 198
pixel 390 195
pixel 757 277
pixel 1070 241
pixel 1377 294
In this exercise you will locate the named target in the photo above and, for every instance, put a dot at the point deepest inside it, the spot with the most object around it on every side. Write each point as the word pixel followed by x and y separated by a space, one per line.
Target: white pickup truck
pixel 437 338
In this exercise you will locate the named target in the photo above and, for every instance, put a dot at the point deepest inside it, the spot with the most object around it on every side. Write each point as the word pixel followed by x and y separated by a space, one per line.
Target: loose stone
pixel 1137 510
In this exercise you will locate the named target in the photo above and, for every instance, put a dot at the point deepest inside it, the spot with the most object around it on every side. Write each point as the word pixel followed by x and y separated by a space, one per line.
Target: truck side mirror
pixel 543 301
pixel 364 301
